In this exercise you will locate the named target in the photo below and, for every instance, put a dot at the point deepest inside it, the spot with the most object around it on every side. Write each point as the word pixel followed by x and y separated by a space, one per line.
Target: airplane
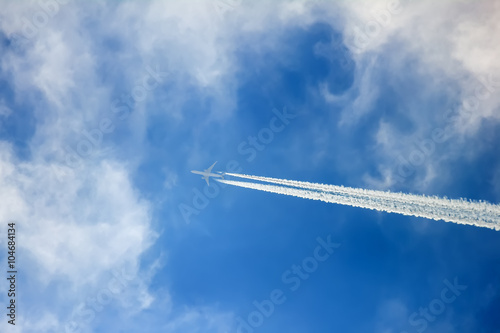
pixel 208 173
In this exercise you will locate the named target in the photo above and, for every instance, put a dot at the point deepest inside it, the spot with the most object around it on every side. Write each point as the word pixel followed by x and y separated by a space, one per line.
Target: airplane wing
pixel 207 173
pixel 209 170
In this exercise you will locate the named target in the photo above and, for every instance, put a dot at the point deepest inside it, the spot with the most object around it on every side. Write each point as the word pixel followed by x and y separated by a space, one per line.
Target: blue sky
pixel 105 107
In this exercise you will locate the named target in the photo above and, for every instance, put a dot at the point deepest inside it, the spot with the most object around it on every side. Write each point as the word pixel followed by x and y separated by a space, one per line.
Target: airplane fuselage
pixel 206 174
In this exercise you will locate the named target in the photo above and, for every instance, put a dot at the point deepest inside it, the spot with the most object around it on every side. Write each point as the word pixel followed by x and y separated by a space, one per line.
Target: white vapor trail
pixel 481 214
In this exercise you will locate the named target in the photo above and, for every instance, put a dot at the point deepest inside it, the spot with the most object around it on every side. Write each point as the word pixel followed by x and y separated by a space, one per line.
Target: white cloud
pixel 362 97
pixel 62 214
pixel 81 224
pixel 447 42
pixel 458 39
pixel 75 227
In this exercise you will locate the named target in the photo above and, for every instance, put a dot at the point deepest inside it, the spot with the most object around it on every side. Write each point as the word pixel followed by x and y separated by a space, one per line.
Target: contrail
pixel 481 214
